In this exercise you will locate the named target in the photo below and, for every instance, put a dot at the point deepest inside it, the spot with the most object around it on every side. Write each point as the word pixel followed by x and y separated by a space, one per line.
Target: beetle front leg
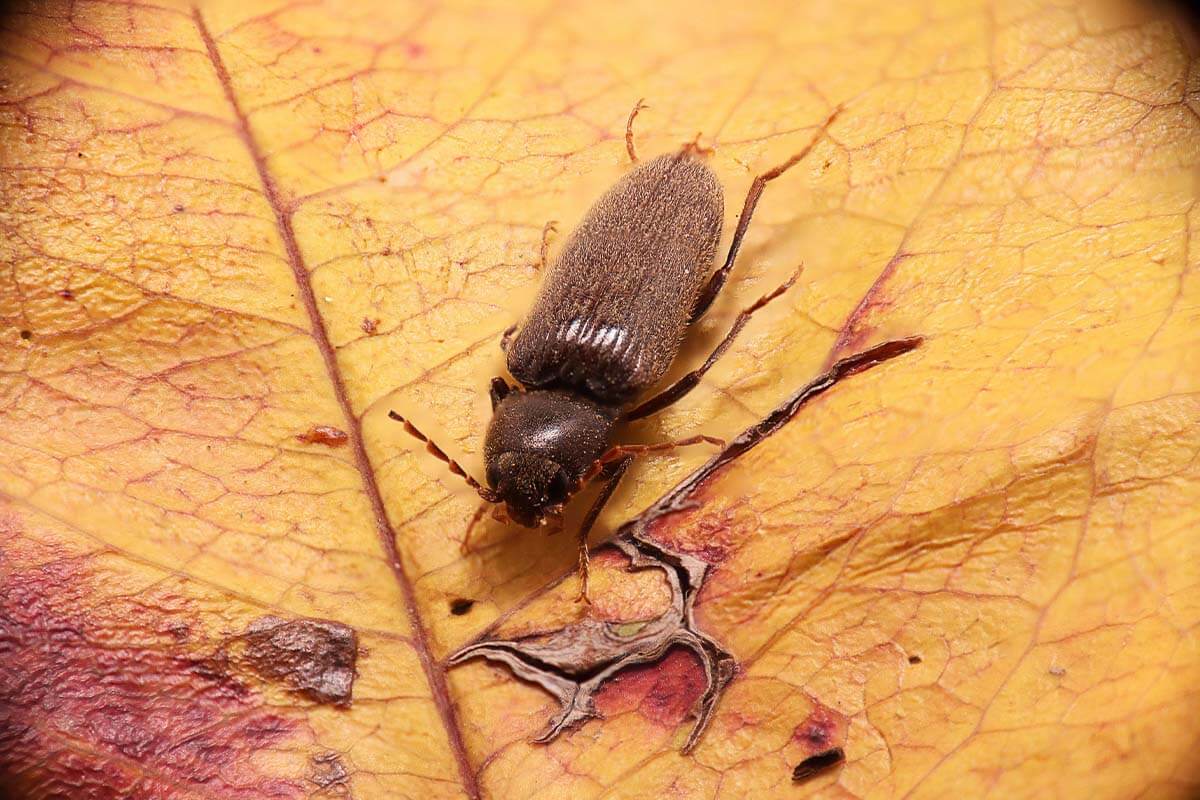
pixel 614 473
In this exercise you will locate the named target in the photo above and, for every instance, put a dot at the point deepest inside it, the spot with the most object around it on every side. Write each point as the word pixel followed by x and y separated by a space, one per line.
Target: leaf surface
pixel 237 234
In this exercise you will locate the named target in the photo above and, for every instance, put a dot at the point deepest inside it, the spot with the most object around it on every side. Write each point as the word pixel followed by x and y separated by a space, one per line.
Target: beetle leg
pixel 550 227
pixel 756 189
pixel 691 380
pixel 499 388
pixel 620 451
pixel 629 148
pixel 465 547
pixel 694 147
pixel 506 337
pixel 613 471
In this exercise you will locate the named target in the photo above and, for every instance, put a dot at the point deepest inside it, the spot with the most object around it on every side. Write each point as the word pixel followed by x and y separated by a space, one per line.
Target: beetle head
pixel 538 446
pixel 530 485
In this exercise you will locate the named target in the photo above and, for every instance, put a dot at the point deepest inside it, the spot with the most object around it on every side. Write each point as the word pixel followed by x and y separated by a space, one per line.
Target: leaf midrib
pixel 434 673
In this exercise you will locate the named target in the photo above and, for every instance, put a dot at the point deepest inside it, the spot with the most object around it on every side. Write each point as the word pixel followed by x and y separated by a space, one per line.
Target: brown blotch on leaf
pixel 26 334
pixel 370 326
pixel 460 606
pixel 816 764
pixel 324 434
pixel 315 657
pixel 329 773
pixel 66 294
pixel 914 659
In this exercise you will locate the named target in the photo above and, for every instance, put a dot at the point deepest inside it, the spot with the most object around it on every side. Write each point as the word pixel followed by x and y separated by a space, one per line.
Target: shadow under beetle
pixel 606 326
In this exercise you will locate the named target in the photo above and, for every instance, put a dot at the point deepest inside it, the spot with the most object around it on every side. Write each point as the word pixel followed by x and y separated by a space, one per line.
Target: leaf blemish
pixel 460 606
pixel 822 729
pixel 324 434
pixel 326 770
pixel 316 658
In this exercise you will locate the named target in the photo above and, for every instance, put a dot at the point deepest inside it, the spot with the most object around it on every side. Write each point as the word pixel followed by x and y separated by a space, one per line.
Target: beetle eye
pixel 493 475
pixel 559 488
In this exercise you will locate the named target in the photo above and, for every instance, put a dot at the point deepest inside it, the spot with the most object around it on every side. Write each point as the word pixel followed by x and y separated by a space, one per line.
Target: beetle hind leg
pixel 691 380
pixel 713 288
pixel 629 146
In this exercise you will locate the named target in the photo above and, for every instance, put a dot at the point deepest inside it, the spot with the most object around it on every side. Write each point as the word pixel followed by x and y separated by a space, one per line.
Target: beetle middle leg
pixel 756 189
pixel 690 381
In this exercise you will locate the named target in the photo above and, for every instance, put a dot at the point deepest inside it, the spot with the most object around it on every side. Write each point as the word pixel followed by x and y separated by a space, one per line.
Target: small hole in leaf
pixel 460 606
pixel 914 659
pixel 26 335
pixel 816 764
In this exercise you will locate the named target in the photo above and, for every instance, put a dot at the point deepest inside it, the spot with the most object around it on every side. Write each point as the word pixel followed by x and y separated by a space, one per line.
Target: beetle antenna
pixel 483 491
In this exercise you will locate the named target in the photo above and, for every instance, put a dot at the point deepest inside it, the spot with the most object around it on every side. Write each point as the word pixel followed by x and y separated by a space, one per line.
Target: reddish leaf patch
pixel 101 700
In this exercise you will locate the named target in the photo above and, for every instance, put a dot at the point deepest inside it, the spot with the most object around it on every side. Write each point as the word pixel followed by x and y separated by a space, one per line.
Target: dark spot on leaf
pixel 179 208
pixel 324 434
pixel 370 326
pixel 26 334
pixel 66 294
pixel 816 764
pixel 914 659
pixel 460 606
pixel 315 657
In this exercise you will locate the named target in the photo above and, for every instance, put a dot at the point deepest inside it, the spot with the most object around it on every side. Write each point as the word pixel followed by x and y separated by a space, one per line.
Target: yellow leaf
pixel 237 234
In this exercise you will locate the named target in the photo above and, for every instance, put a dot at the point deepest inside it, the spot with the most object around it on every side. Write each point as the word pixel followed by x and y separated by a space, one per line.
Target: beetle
pixel 605 327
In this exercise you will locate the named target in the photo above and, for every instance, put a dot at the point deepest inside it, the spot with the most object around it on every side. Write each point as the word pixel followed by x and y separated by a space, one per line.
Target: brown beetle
pixel 606 326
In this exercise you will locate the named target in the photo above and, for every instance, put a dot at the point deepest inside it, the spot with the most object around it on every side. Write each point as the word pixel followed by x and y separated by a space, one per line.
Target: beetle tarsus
pixel 629 147
pixel 584 568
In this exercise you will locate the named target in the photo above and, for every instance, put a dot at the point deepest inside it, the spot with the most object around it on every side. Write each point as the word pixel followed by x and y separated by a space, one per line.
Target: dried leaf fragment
pixel 324 434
